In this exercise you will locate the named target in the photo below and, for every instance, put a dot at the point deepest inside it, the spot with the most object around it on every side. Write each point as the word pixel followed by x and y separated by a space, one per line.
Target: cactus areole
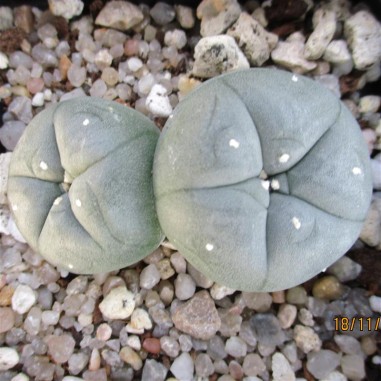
pixel 80 185
pixel 261 179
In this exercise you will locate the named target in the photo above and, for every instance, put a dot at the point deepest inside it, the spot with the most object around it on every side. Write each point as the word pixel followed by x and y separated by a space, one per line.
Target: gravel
pixel 161 318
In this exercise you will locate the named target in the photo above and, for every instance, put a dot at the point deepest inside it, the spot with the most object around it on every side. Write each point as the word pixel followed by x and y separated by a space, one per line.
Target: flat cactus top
pixel 80 185
pixel 261 179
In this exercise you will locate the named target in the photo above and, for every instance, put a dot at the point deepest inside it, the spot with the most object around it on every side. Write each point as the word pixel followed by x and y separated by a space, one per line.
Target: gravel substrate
pixel 161 319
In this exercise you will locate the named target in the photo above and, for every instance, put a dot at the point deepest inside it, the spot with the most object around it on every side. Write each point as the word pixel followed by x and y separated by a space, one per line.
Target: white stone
pixel 375 303
pixel 185 16
pixel 369 104
pixel 158 102
pixel 149 277
pixel 140 321
pixel 324 22
pixel 219 291
pixel 133 341
pixel 6 18
pixel 235 347
pixel 72 378
pixel 376 173
pixel 103 59
pixel 335 376
pixel 290 54
pixel 121 15
pixel 253 39
pixel 281 368
pixel 306 339
pixel 287 315
pixel 371 230
pixel 176 38
pixel 337 52
pixel 8 358
pixel 21 377
pixel 363 33
pixel 227 56
pixel 185 286
pixel 4 62
pixel 134 64
pixel 119 303
pixel 217 16
pixel 38 100
pixel 23 299
pixel 66 8
pixel 183 367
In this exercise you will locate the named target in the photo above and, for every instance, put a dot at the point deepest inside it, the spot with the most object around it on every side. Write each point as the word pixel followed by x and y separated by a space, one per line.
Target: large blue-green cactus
pixel 261 179
pixel 104 152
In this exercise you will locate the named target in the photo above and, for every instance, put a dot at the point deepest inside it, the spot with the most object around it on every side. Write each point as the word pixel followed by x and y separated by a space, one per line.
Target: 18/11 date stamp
pixel 347 324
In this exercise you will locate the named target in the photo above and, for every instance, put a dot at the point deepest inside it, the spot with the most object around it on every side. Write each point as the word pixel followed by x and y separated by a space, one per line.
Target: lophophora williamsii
pixel 260 179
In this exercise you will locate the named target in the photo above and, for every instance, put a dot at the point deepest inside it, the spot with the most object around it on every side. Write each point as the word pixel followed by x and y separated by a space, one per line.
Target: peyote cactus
pixel 80 185
pixel 261 179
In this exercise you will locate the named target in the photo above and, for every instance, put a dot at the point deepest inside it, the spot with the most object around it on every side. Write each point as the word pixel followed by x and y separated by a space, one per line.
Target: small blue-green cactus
pixel 261 179
pixel 80 185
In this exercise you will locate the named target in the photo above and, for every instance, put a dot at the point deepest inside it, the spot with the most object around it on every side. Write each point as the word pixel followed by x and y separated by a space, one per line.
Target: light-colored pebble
pixel 226 56
pixel 218 291
pixel 371 232
pixel 236 347
pixel 149 277
pixel 66 8
pixel 140 321
pixel 217 17
pixel 185 16
pixel 337 52
pixel 324 23
pixel 353 366
pixel 121 15
pixel 198 317
pixel 321 364
pixel 287 315
pixel 363 34
pixel 348 344
pixel 290 54
pixel 8 358
pixel 306 339
pixel 375 303
pixel 158 102
pixel 119 303
pixel 4 62
pixel 345 269
pixel 253 39
pixel 185 286
pixel 281 368
pixel 23 299
pixel 183 367
pixel 176 38
pixel 369 104
pixel 129 356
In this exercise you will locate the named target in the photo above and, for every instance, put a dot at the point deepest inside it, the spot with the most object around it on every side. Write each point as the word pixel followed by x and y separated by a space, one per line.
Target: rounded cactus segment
pixel 80 185
pixel 261 179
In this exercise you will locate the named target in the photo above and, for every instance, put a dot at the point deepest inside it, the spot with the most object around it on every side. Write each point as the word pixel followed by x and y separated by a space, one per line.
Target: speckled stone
pixel 198 317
